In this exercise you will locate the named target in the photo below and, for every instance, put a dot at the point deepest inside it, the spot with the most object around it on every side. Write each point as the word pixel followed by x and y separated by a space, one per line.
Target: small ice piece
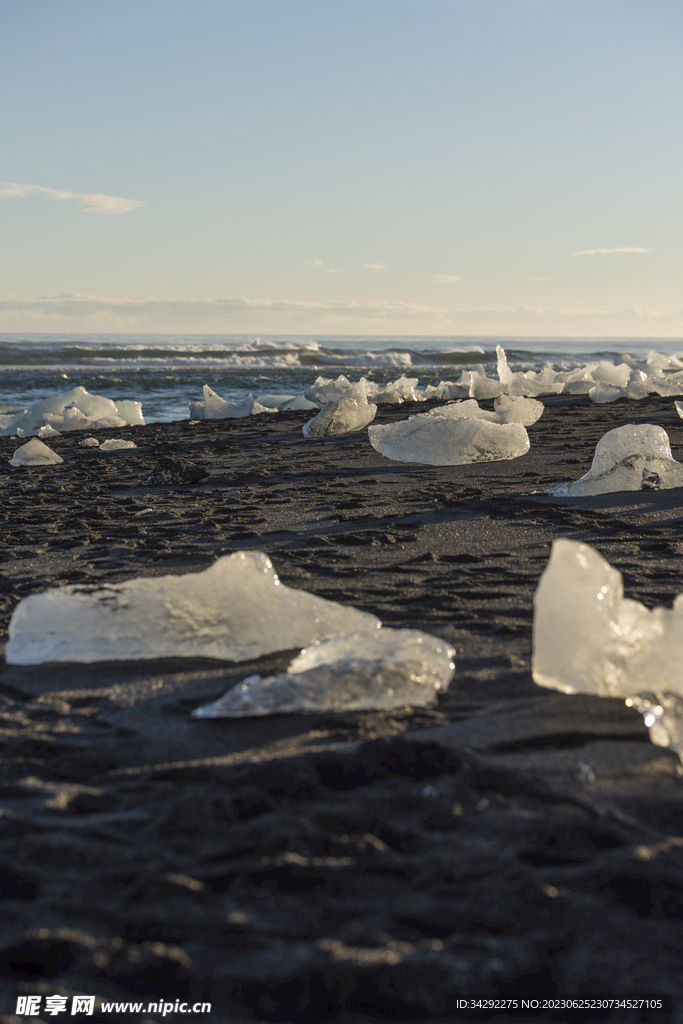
pixel 216 408
pixel 510 409
pixel 604 392
pixel 324 390
pixel 298 403
pixel 116 444
pixel 346 416
pixel 637 387
pixel 89 442
pixel 679 408
pixel 389 668
pixel 483 388
pixel 235 610
pixel 131 412
pixel 504 372
pixel 35 453
pixel 628 458
pixel 589 638
pixel 447 441
pixel 611 374
pixel 445 391
pixel 257 409
pixel 47 431
pixel 107 422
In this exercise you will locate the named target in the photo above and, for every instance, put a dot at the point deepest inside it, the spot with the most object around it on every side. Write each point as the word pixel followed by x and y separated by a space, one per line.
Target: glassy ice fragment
pixel 349 414
pixel 360 671
pixel 235 610
pixel 447 441
pixel 589 638
pixel 47 431
pixel 628 458
pixel 35 453
pixel 73 410
pixel 107 422
pixel 116 444
pixel 604 392
pixel 216 408
pixel 526 411
pixel 89 442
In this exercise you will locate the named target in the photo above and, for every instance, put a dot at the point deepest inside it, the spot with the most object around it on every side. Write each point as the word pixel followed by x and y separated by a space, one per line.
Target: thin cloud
pixel 374 266
pixel 77 312
pixel 89 202
pixel 446 279
pixel 313 263
pixel 331 270
pixel 599 252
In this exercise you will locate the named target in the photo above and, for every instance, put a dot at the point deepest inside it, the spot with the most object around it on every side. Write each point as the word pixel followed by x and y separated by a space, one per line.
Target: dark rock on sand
pixel 175 471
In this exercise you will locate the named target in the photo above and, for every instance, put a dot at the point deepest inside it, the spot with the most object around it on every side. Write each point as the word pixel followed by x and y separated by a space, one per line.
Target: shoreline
pixel 337 862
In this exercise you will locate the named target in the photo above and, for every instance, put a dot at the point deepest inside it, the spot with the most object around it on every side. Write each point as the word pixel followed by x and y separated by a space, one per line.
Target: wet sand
pixel 351 867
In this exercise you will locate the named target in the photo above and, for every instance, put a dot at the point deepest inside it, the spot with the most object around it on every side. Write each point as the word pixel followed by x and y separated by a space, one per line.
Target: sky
pixel 437 167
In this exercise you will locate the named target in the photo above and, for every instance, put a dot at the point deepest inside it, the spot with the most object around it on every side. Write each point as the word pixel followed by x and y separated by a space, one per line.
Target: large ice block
pixel 589 638
pixel 360 671
pixel 506 410
pixel 629 458
pixel 445 441
pixel 345 416
pixel 235 610
pixel 35 453
pixel 74 410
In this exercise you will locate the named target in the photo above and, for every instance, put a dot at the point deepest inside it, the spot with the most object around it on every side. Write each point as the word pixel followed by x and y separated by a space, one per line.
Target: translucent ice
pixel 385 669
pixel 73 410
pixel 589 638
pixel 89 442
pixel 235 610
pixel 47 431
pixel 679 408
pixel 507 410
pixel 445 391
pixel 348 414
pixel 116 444
pixel 628 458
pixel 216 408
pixel 446 441
pixel 35 453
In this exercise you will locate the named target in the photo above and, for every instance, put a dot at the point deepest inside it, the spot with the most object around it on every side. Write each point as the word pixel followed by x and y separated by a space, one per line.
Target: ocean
pixel 166 372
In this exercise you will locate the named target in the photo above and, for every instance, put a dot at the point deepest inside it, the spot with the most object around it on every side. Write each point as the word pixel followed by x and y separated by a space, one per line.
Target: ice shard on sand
pixel 589 638
pixel 235 610
pixel 442 440
pixel 387 668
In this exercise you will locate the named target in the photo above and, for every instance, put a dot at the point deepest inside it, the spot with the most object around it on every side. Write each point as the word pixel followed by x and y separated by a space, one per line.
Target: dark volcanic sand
pixel 351 866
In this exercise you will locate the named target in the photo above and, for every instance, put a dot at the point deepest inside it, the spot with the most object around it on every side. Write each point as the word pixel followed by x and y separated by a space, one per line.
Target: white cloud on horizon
pixel 446 279
pixel 597 252
pixel 90 203
pixel 374 266
pixel 76 312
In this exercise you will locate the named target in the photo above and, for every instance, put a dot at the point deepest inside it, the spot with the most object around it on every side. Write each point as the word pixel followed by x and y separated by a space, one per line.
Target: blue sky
pixel 335 166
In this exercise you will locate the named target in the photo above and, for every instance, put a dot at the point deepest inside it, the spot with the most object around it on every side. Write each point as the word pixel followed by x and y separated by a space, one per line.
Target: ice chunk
pixel 35 453
pixel 324 390
pixel 73 410
pixel 235 610
pixel 116 444
pixel 351 413
pixel 637 386
pixel 216 408
pixel 483 388
pixel 611 374
pixel 604 392
pixel 105 422
pixel 9 415
pixel 385 669
pixel 285 402
pixel 679 408
pixel 589 638
pixel 47 431
pixel 468 409
pixel 504 371
pixel 89 442
pixel 130 412
pixel 526 411
pixel 445 391
pixel 628 458
pixel 446 441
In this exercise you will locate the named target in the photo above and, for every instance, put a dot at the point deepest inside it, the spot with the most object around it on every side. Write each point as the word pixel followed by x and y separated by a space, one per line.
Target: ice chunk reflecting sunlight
pixel 442 440
pixel 345 416
pixel 589 638
pixel 235 610
pixel 629 458
pixel 360 671
pixel 76 409
pixel 35 453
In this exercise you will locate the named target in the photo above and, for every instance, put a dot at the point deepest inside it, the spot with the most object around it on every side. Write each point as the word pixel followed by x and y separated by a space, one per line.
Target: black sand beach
pixel 351 867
